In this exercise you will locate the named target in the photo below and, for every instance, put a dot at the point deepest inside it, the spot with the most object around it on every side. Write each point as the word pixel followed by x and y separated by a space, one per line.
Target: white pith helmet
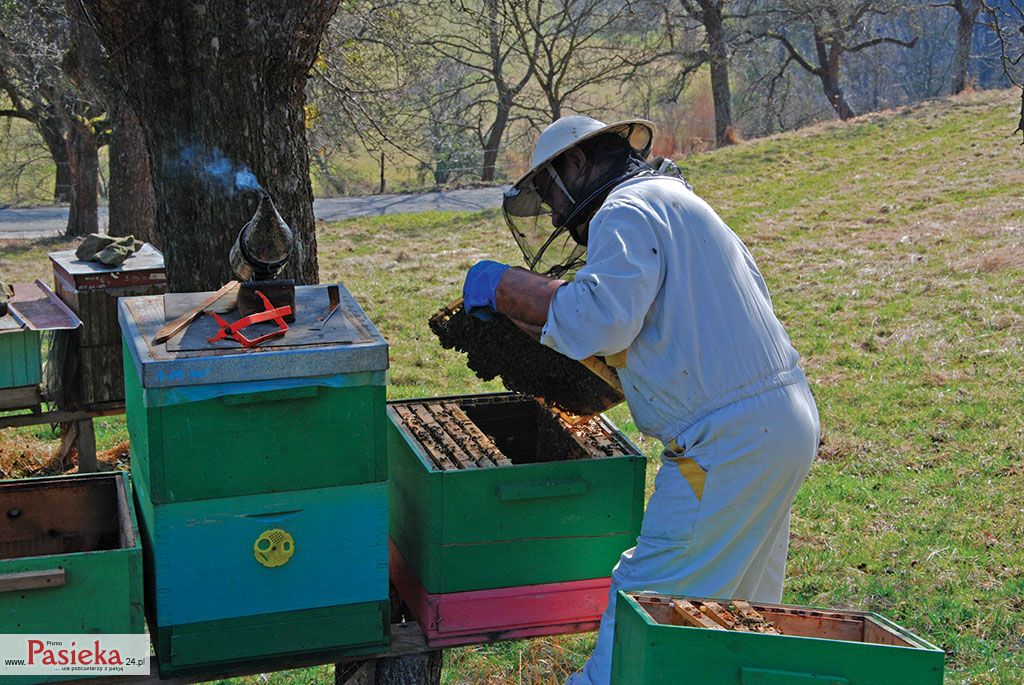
pixel 526 213
pixel 572 130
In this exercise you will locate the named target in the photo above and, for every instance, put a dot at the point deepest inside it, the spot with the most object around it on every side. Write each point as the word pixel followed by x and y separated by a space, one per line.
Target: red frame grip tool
pixel 234 330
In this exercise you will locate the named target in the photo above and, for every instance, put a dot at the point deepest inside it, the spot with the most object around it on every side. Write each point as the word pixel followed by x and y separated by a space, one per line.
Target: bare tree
pixel 575 46
pixel 713 18
pixel 363 93
pixel 1006 19
pixel 478 36
pixel 32 40
pixel 834 29
pixel 967 16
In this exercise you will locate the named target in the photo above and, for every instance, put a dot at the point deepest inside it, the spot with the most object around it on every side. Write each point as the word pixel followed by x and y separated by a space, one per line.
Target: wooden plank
pixel 806 623
pixel 32 580
pixel 486 445
pixel 24 397
pixel 406 639
pixel 425 438
pixel 879 634
pixel 689 615
pixel 86 444
pixel 722 616
pixel 101 409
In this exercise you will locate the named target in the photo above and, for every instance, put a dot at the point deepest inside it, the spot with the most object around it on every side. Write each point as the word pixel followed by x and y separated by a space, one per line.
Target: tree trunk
pixel 51 128
pixel 218 85
pixel 718 56
pixel 967 13
pixel 829 72
pixel 84 163
pixel 132 203
pixel 494 135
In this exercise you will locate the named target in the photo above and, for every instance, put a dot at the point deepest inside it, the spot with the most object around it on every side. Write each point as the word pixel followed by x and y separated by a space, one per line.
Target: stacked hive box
pixel 503 522
pixel 70 558
pixel 91 290
pixel 805 645
pixel 260 477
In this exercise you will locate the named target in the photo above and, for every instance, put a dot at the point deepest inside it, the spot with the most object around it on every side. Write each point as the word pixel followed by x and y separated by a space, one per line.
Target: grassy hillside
pixel 894 248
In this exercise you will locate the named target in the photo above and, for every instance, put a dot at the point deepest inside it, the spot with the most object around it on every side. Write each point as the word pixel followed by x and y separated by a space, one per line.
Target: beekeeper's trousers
pixel 717 524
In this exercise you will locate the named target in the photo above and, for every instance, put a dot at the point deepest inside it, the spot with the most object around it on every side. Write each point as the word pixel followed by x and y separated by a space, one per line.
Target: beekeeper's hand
pixel 478 291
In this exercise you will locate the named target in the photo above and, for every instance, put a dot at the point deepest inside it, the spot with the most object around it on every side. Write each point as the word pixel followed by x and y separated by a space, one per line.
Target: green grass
pixel 894 249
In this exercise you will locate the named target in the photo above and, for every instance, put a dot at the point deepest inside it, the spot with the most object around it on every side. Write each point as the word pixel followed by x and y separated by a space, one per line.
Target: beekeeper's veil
pixel 552 249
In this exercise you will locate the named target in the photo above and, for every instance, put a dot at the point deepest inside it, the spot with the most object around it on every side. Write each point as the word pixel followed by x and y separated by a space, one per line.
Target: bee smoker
pixel 259 254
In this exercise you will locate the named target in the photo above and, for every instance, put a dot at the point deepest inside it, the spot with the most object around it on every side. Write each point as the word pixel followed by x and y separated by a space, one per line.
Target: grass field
pixel 894 248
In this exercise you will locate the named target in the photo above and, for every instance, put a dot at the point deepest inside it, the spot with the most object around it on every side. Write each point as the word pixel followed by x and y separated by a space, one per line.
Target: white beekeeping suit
pixel 672 297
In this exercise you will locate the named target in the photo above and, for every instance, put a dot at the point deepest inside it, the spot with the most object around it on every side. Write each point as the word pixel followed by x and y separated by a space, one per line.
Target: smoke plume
pixel 210 165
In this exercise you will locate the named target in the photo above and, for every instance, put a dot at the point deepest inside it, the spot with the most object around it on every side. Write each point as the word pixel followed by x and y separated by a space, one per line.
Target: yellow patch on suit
pixel 694 474
pixel 617 360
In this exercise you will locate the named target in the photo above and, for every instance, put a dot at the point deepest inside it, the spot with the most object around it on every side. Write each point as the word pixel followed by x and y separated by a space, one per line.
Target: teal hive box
pixel 537 521
pixel 236 580
pixel 817 647
pixel 20 363
pixel 70 558
pixel 216 420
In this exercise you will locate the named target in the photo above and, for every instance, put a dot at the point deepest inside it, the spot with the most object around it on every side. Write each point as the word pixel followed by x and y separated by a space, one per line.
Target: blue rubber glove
pixel 479 290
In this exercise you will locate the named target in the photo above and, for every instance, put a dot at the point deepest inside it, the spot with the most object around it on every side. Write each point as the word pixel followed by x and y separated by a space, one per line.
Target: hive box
pixel 817 647
pixel 91 290
pixel 217 420
pixel 20 363
pixel 234 580
pixel 70 556
pixel 516 550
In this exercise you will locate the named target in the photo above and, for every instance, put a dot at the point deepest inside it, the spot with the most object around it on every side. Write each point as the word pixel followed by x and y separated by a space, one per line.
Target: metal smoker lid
pixel 349 343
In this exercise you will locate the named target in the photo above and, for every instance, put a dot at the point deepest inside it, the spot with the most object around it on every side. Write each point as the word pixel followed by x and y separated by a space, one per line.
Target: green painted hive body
pixel 264 436
pixel 20 363
pixel 223 421
pixel 80 532
pixel 508 526
pixel 818 647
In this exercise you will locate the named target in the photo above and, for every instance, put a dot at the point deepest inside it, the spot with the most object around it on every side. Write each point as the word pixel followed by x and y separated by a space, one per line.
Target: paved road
pixel 46 222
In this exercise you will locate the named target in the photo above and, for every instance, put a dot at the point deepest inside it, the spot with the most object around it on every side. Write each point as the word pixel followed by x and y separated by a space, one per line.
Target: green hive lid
pixel 348 343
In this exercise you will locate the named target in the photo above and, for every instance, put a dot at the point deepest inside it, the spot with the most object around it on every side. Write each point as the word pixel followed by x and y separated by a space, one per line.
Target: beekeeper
pixel 671 297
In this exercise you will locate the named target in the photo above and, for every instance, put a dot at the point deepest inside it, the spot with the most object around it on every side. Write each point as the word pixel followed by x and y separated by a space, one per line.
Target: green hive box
pixel 70 557
pixel 20 363
pixel 215 420
pixel 213 605
pixel 817 647
pixel 536 521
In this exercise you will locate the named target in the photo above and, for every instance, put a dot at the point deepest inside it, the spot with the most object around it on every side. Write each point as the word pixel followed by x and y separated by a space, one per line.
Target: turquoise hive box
pixel 261 484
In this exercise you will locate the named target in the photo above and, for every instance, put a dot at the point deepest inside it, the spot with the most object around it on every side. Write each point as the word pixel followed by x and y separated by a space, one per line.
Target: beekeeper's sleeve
pixel 603 309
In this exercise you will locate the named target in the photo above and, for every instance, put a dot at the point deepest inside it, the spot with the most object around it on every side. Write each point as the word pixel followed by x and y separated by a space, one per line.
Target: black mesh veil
pixel 548 249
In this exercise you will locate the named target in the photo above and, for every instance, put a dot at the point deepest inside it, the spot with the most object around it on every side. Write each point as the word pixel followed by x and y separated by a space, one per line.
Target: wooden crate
pixel 548 520
pixel 70 556
pixel 91 290
pixel 97 308
pixel 20 362
pixel 461 618
pixel 818 646
pixel 273 437
pixel 213 602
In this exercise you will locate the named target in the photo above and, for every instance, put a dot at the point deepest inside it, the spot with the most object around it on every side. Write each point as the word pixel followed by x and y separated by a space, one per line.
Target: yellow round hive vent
pixel 274 548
